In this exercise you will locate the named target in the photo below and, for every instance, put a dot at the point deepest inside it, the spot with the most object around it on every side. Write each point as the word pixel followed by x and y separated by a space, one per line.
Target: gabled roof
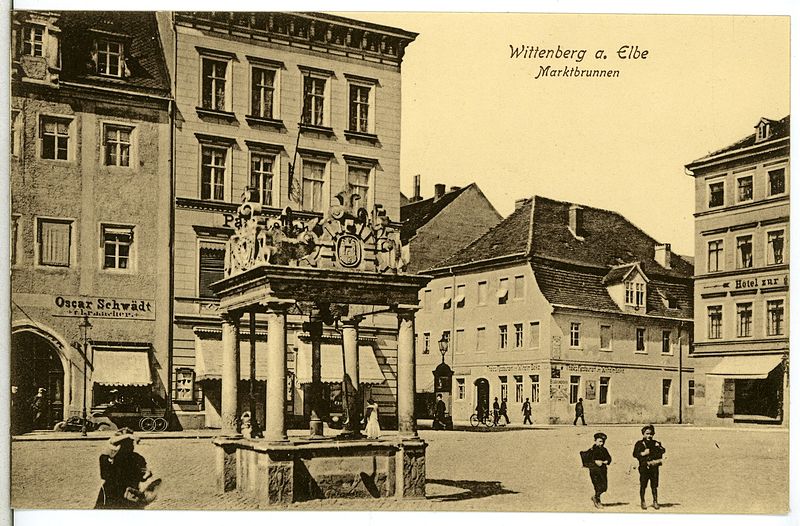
pixel 779 129
pixel 621 273
pixel 416 215
pixel 144 56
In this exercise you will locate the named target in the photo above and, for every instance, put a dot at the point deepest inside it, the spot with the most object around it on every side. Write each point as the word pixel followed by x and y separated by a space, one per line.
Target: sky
pixel 471 113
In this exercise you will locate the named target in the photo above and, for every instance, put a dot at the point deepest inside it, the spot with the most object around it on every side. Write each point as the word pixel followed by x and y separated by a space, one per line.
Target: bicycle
pixel 487 420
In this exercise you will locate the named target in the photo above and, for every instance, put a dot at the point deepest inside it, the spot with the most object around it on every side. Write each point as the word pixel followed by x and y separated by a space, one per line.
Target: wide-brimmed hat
pixel 41 391
pixel 600 435
pixel 122 435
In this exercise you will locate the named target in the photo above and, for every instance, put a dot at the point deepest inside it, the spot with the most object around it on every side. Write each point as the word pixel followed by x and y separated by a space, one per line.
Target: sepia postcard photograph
pixel 403 261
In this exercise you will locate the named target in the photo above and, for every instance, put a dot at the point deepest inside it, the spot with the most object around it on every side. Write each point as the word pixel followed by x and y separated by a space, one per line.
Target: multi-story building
pixel 742 278
pixel 90 203
pixel 560 302
pixel 304 108
pixel 436 227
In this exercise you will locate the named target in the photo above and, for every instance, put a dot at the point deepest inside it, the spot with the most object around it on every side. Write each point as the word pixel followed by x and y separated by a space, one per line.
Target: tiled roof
pixel 144 57
pixel 617 274
pixel 779 129
pixel 416 215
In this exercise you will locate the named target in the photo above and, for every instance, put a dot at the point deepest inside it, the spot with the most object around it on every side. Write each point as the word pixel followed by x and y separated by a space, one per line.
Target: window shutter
pixel 55 243
pixel 212 267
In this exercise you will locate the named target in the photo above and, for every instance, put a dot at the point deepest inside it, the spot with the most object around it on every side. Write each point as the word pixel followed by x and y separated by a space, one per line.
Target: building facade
pixel 90 206
pixel 742 278
pixel 558 303
pixel 304 109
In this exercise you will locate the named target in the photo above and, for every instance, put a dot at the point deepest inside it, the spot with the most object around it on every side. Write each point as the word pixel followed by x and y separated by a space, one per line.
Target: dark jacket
pixel 125 470
pixel 656 452
pixel 600 453
pixel 441 409
pixel 578 408
pixel 503 407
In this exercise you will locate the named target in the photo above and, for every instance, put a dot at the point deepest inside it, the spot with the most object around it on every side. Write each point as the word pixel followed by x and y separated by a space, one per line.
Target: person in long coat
pixel 373 426
pixel 122 471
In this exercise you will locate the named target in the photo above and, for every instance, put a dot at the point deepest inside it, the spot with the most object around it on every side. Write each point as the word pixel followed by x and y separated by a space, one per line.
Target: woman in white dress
pixel 373 427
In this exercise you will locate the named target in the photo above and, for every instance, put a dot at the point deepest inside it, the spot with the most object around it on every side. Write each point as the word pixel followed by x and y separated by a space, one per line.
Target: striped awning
pixel 208 359
pixel 121 365
pixel 331 362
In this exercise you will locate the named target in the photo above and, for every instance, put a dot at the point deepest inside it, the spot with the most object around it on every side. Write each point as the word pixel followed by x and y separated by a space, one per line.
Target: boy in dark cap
pixel 598 470
pixel 649 453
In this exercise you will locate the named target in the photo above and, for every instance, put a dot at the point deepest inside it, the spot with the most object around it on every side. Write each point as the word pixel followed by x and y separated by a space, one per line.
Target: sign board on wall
pixel 103 307
pixel 510 368
pixel 591 390
pixel 558 389
pixel 555 348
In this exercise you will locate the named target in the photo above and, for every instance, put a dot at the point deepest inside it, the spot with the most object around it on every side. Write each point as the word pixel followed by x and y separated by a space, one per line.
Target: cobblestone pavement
pixel 532 469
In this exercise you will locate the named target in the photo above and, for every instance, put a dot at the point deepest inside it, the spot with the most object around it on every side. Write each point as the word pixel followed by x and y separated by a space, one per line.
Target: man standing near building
pixel 579 412
pixel 40 408
pixel 439 413
pixel 504 410
pixel 526 412
pixel 496 411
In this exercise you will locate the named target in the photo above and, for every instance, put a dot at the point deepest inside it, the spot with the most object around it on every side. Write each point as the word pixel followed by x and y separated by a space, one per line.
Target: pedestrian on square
pixel 526 412
pixel 496 411
pixel 439 414
pixel 504 410
pixel 373 426
pixel 579 412
pixel 599 459
pixel 40 409
pixel 650 453
pixel 127 483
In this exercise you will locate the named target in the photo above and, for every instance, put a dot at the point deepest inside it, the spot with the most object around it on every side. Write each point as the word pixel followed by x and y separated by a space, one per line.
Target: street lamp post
pixel 443 344
pixel 85 326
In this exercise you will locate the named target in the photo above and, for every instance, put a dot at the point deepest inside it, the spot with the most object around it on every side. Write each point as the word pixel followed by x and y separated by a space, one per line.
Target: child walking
pixel 599 459
pixel 649 453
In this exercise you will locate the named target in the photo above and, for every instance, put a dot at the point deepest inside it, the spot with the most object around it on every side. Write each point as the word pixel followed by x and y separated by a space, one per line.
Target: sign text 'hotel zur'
pixel 104 307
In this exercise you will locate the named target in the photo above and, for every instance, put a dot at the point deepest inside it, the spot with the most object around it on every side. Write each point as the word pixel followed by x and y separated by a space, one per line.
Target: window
pixel 534 388
pixel 777 181
pixel 483 292
pixel 641 339
pixel 32 38
pixel 744 186
pixel 574 334
pixel 426 299
pixel 503 333
pixel 574 387
pixel 361 117
pixel 212 175
pixel 426 343
pixel 744 318
pixel 716 194
pixel 211 266
pixel 519 287
pixel 690 400
pixel 110 58
pixel 775 247
pixel 666 387
pixel 602 395
pixel 262 175
pixel 715 261
pixel 519 335
pixel 447 299
pixel 117 145
pixel 461 296
pixel 358 178
pixel 480 339
pixel 744 251
pixel 16 132
pixel 605 337
pixel 762 131
pixel 54 134
pixel 666 344
pixel 715 322
pixel 14 239
pixel 458 346
pixel 460 389
pixel 519 394
pixel 446 336
pixel 214 78
pixel 640 294
pixel 775 318
pixel 533 335
pixel 503 388
pixel 184 385
pixel 117 243
pixel 313 185
pixel 54 242
pixel 502 292
pixel 263 93
pixel 314 91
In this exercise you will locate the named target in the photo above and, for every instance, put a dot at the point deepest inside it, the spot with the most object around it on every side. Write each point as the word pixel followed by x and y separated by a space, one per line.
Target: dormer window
pixel 762 131
pixel 110 58
pixel 32 41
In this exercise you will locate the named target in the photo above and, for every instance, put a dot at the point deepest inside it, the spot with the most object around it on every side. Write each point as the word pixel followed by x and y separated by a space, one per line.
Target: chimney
pixel 664 255
pixel 519 203
pixel 576 220
pixel 438 191
pixel 416 197
pixel 454 188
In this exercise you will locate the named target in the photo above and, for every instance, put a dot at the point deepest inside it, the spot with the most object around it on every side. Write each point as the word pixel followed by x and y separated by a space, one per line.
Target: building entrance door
pixel 482 396
pixel 35 366
pixel 759 398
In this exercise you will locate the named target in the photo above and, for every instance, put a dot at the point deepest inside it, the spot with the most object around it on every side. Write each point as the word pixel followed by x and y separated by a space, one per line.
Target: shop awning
pixel 746 367
pixel 208 359
pixel 121 365
pixel 369 372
